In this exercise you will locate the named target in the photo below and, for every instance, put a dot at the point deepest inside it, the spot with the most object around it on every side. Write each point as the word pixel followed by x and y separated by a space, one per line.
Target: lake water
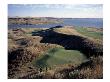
pixel 80 22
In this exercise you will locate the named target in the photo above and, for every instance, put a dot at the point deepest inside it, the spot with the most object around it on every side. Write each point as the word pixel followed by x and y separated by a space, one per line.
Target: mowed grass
pixel 59 56
pixel 90 33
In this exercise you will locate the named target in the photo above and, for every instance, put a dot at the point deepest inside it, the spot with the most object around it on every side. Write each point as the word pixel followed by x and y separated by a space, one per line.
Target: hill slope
pixel 30 45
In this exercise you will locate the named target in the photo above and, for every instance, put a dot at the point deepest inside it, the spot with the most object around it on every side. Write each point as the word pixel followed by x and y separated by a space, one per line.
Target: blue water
pixel 80 22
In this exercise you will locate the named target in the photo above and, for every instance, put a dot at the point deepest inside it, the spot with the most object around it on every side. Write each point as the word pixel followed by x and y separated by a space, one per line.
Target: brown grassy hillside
pixel 26 45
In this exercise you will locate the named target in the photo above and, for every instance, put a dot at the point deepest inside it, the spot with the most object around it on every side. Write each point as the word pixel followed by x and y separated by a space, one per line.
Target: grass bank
pixel 59 56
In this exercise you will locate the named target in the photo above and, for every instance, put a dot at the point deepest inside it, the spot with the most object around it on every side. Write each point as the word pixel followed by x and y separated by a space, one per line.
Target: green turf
pixel 95 35
pixel 59 56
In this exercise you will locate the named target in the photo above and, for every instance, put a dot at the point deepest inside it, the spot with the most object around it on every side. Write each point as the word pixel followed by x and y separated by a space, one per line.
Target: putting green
pixel 59 56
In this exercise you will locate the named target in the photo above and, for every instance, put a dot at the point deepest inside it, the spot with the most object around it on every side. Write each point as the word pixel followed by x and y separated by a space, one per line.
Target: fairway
pixel 90 32
pixel 60 56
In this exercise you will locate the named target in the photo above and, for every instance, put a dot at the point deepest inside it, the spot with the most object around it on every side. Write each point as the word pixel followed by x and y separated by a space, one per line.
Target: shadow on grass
pixel 70 42
pixel 41 62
